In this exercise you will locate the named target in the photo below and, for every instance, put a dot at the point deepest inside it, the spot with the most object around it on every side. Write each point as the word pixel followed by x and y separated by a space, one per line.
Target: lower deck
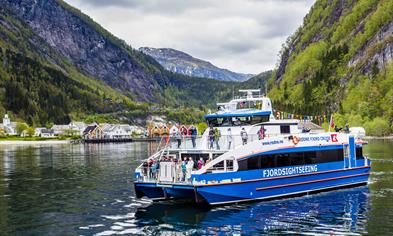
pixel 255 189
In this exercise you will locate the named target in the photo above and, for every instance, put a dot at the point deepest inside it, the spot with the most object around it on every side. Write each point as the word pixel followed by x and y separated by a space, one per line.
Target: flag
pixel 331 122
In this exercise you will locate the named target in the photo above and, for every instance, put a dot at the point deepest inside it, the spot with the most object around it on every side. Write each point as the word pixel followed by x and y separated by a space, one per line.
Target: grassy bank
pixel 17 138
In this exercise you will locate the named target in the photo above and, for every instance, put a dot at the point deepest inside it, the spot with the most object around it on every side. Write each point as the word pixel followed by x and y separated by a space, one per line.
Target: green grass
pixel 17 138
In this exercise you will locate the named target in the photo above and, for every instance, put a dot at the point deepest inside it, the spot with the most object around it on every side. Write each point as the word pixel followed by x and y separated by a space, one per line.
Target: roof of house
pixel 78 124
pixel 47 131
pixel 59 127
pixel 89 129
pixel 126 127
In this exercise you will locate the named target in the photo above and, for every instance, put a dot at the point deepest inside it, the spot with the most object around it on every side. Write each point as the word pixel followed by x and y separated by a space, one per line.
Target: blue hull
pixel 150 190
pixel 157 191
pixel 181 192
pixel 257 189
pixel 284 186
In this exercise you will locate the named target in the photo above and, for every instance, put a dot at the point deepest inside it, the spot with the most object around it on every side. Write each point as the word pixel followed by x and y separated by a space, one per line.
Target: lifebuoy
pixel 295 140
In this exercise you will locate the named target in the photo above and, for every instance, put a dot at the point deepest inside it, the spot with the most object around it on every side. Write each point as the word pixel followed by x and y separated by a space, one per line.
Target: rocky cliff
pixel 40 86
pixel 90 47
pixel 56 64
pixel 339 60
pixel 339 41
pixel 183 63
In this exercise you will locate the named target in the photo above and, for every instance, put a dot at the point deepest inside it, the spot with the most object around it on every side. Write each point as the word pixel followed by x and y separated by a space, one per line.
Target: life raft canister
pixel 295 140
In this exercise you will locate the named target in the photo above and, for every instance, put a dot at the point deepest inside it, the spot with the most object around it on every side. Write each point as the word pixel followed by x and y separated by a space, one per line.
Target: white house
pixel 38 130
pixel 121 131
pixel 8 126
pixel 77 126
pixel 44 132
pixel 174 130
pixel 60 129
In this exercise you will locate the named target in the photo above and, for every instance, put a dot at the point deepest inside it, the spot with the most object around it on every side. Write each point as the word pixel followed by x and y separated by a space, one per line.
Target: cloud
pixel 241 35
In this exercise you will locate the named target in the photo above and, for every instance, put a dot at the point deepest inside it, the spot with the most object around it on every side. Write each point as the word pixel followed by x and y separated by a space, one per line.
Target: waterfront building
pixel 93 132
pixel 118 131
pixel 60 129
pixel 8 126
pixel 78 127
pixel 44 132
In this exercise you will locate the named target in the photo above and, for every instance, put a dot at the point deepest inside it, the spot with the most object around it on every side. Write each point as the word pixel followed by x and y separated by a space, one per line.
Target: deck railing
pixel 171 164
pixel 223 143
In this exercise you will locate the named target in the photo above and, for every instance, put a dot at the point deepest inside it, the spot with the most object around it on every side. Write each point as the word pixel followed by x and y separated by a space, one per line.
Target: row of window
pixel 295 158
pixel 237 121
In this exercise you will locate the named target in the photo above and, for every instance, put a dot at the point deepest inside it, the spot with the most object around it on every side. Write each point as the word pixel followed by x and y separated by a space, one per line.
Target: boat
pixel 254 157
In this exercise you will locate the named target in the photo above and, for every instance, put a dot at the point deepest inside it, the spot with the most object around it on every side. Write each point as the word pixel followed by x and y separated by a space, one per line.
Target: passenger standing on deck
pixel 229 138
pixel 172 136
pixel 157 168
pixel 211 137
pixel 194 133
pixel 200 163
pixel 261 133
pixel 149 167
pixel 184 169
pixel 346 128
pixel 154 169
pixel 175 166
pixel 145 166
pixel 217 136
pixel 178 138
pixel 244 136
pixel 190 166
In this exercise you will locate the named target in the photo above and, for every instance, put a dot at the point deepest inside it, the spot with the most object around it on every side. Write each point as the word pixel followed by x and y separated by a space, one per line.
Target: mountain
pixel 339 61
pixel 40 86
pixel 56 64
pixel 90 48
pixel 183 63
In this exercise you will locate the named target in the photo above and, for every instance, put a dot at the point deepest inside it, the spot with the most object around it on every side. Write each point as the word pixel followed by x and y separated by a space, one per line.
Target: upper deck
pixel 248 105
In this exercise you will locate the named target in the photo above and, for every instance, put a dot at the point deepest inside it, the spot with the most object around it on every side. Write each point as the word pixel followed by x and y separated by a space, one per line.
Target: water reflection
pixel 87 190
pixel 343 211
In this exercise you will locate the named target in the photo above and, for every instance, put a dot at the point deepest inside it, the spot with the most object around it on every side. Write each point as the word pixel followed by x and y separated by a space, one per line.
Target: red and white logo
pixel 334 137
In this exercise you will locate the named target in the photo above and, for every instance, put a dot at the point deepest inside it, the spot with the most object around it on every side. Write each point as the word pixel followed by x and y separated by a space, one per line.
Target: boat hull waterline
pixel 257 189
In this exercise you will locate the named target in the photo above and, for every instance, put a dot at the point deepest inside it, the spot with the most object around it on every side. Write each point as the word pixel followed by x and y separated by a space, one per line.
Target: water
pixel 87 190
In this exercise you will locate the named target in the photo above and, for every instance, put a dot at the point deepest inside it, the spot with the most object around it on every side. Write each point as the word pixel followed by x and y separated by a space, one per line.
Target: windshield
pixel 249 105
pixel 236 121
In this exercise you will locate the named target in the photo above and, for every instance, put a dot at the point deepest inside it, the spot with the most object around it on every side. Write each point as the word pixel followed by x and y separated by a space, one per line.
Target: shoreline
pixel 377 137
pixel 29 142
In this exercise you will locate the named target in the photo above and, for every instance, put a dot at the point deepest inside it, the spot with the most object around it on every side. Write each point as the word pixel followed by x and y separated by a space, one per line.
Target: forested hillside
pixel 340 61
pixel 56 64
pixel 40 86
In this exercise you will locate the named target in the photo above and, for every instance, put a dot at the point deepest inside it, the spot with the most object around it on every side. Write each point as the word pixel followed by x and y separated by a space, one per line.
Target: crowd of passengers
pixel 182 168
pixel 179 134
pixel 215 135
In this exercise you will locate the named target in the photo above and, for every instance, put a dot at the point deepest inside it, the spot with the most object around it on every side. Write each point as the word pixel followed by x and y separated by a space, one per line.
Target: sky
pixel 239 35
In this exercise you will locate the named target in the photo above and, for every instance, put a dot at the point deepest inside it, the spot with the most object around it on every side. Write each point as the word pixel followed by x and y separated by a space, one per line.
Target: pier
pixel 121 140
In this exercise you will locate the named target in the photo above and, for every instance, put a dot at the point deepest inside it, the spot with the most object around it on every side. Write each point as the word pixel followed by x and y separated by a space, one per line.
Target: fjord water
pixel 87 190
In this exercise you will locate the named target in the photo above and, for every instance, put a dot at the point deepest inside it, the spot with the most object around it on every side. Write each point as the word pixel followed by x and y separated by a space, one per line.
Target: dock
pixel 121 140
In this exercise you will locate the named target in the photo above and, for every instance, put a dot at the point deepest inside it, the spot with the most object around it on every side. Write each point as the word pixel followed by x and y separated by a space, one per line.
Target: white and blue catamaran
pixel 243 165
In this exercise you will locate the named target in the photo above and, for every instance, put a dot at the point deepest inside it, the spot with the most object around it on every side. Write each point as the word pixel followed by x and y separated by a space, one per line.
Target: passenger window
pixel 359 153
pixel 229 165
pixel 253 163
pixel 284 129
pixel 291 159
